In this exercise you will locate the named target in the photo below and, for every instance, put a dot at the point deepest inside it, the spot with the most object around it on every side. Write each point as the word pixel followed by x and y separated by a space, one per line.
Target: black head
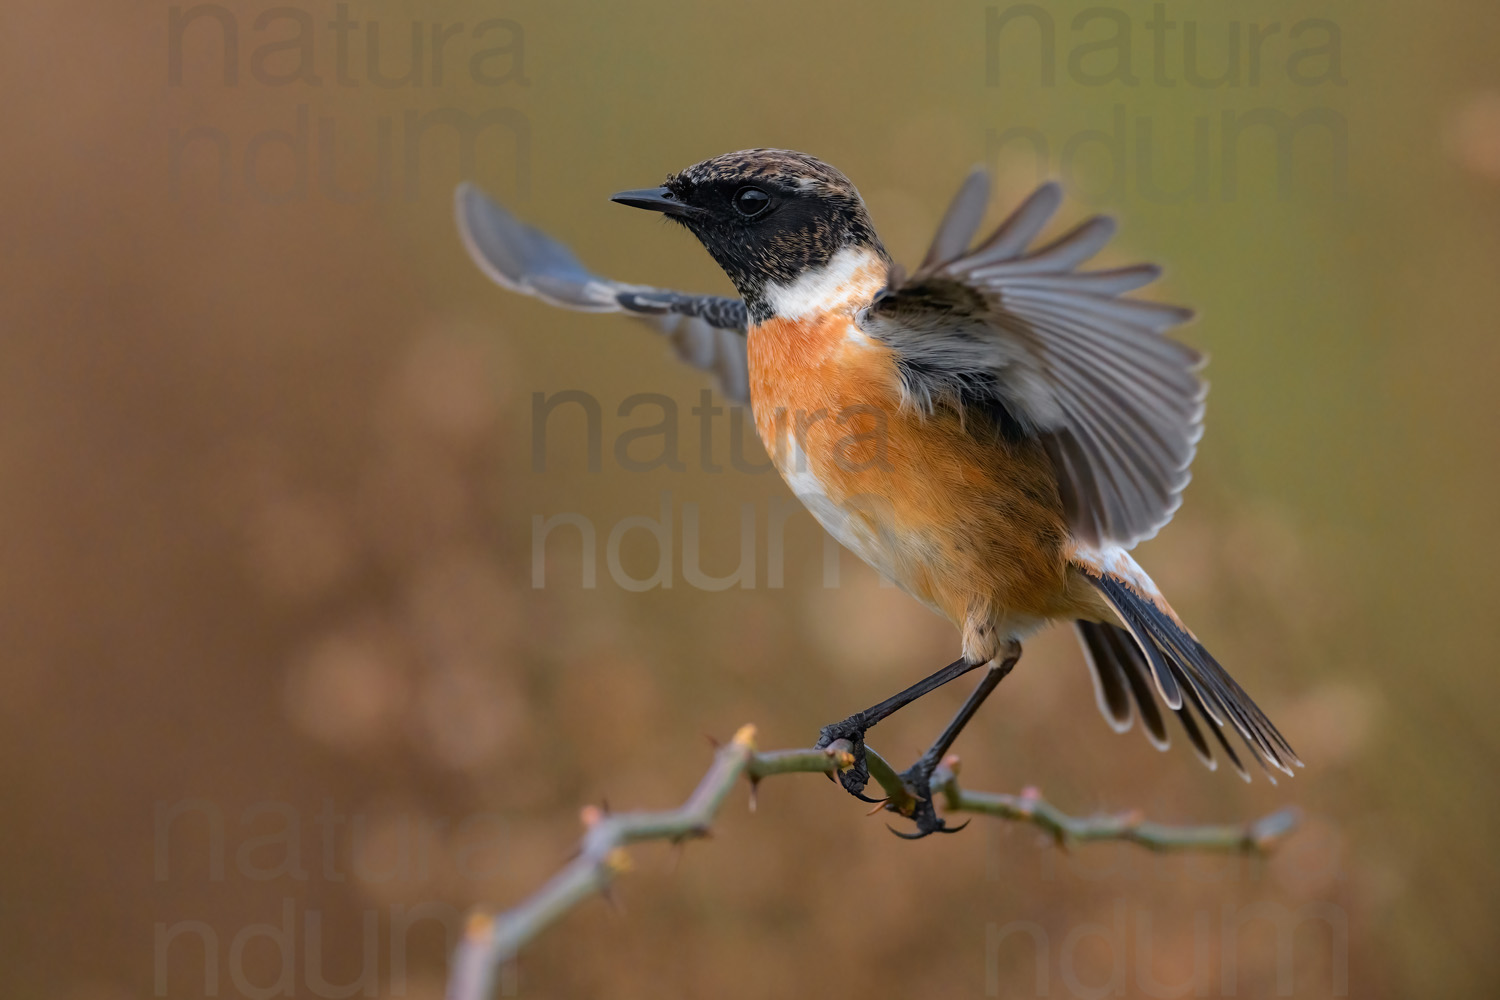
pixel 766 215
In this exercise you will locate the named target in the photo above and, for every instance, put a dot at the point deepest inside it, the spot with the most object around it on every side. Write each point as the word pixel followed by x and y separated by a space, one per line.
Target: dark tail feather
pixel 1118 681
pixel 1160 648
pixel 1108 674
pixel 1120 674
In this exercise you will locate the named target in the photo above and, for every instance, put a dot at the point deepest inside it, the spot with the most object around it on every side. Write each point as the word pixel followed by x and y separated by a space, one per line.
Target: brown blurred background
pixel 272 649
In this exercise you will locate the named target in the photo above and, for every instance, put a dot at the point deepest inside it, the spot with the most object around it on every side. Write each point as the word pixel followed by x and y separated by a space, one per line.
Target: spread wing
pixel 707 331
pixel 1058 353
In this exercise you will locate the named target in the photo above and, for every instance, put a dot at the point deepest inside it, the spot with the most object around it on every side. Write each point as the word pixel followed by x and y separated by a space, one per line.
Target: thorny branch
pixel 493 939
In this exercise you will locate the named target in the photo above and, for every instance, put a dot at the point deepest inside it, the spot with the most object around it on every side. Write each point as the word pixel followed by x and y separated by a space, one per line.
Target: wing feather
pixel 1063 254
pixel 1112 282
pixel 1117 405
pixel 1023 226
pixel 961 222
pixel 706 331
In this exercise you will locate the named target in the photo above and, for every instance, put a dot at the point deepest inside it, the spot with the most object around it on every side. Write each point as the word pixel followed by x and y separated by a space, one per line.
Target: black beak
pixel 657 199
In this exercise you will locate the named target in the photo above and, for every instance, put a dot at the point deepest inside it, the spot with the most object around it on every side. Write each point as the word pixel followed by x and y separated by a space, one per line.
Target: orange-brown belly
pixel 969 524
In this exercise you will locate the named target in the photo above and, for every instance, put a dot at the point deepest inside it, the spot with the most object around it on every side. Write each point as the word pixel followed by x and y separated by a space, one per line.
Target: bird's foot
pixel 920 809
pixel 856 776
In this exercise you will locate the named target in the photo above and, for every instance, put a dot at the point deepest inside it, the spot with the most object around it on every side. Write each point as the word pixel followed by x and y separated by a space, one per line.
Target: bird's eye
pixel 751 201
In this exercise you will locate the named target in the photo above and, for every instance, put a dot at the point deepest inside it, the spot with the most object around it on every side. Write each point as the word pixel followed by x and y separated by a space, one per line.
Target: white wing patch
pixel 1115 561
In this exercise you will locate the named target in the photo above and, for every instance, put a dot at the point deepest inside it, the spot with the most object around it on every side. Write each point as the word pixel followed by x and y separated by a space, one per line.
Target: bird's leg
pixel 855 778
pixel 918 777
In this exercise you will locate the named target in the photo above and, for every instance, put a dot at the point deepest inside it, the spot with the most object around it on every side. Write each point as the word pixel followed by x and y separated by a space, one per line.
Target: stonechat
pixel 993 431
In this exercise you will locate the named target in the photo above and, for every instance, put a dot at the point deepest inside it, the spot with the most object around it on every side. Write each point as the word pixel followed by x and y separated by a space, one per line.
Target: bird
pixel 993 431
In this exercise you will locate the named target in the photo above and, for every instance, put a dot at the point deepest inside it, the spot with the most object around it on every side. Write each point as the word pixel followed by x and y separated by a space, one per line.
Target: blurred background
pixel 291 677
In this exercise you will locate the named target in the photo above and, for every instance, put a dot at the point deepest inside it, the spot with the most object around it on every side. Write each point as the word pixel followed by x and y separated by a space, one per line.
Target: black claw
pixel 852 786
pixel 855 777
pixel 918 780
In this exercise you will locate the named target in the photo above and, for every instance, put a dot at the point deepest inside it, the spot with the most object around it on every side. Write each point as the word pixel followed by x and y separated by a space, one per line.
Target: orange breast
pixel 970 525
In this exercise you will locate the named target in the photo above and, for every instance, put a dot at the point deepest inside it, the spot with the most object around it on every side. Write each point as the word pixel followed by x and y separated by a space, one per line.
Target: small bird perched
pixel 993 432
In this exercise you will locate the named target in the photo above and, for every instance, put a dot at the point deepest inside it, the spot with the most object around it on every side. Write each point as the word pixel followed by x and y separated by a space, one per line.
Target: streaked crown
pixel 767 216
